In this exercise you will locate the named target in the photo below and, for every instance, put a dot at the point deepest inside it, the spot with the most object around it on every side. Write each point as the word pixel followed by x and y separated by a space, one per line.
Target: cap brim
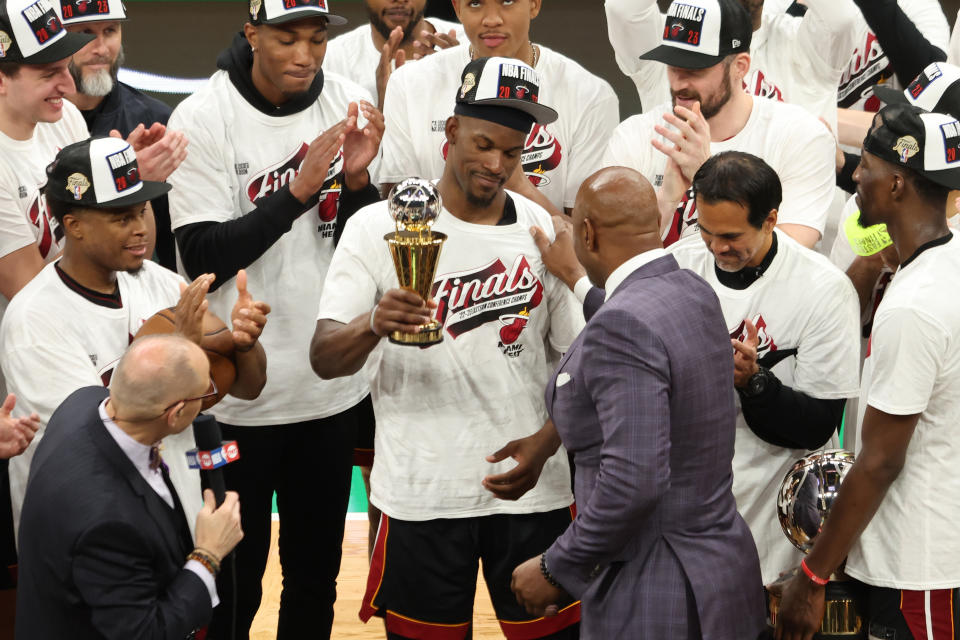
pixel 332 19
pixel 949 178
pixel 541 113
pixel 889 95
pixel 149 191
pixel 677 57
pixel 62 49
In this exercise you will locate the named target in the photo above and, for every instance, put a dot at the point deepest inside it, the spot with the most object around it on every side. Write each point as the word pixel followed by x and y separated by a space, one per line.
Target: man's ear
pixel 741 66
pixel 72 226
pixel 451 129
pixel 456 9
pixel 252 35
pixel 770 222
pixel 589 236
pixel 534 8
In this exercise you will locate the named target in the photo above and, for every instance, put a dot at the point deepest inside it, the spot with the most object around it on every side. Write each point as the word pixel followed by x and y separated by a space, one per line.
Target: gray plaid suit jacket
pixel 644 402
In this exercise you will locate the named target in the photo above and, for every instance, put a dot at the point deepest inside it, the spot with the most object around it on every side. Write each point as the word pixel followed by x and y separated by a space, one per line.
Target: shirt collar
pixel 138 453
pixel 621 273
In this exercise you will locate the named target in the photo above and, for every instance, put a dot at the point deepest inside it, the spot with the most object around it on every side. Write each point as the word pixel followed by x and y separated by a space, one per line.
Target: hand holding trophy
pixel 806 496
pixel 415 205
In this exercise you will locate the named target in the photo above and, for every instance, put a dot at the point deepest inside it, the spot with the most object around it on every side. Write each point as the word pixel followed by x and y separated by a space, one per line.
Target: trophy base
pixel 431 333
pixel 842 619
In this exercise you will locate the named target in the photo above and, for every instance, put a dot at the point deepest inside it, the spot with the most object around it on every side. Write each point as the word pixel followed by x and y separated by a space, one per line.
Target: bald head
pixel 155 372
pixel 620 200
pixel 615 218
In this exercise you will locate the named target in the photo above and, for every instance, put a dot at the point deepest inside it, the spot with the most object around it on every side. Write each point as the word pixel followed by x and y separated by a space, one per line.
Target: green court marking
pixel 358 495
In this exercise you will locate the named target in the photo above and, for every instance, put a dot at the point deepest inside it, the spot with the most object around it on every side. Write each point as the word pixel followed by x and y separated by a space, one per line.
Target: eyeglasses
pixel 209 394
pixel 212 393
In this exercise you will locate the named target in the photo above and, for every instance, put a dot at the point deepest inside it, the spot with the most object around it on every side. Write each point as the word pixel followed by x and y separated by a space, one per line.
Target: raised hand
pixel 248 316
pixel 690 136
pixel 188 314
pixel 316 164
pixel 745 356
pixel 392 56
pixel 361 146
pixel 429 43
pixel 15 433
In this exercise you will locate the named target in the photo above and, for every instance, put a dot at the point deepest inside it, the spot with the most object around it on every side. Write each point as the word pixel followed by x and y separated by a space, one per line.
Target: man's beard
pixel 384 29
pixel 716 102
pixel 99 83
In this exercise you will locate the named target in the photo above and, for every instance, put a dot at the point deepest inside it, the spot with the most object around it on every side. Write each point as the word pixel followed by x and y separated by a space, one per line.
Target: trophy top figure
pixel 807 494
pixel 414 204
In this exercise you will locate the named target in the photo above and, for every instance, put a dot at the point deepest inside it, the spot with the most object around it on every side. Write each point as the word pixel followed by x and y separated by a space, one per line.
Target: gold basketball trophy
pixel 806 496
pixel 415 205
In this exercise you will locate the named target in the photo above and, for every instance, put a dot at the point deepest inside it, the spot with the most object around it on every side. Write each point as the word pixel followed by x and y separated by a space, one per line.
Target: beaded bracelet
pixel 205 558
pixel 814 578
pixel 546 573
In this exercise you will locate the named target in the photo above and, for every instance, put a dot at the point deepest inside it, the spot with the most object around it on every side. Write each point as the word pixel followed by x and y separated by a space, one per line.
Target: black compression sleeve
pixel 908 50
pixel 223 248
pixel 789 418
pixel 845 177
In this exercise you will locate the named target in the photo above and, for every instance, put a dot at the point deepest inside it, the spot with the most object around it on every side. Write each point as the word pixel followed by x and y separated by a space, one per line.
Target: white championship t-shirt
pixel 557 157
pixel 912 366
pixel 442 410
pixel 806 313
pixel 24 219
pixel 237 156
pixel 55 341
pixel 792 59
pixel 798 147
pixel 869 65
pixel 354 55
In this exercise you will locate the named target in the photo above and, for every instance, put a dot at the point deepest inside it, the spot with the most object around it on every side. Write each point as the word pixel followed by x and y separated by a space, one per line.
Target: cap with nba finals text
pixel 700 33
pixel 31 33
pixel 80 11
pixel 502 90
pixel 100 173
pixel 280 11
pixel 928 143
pixel 936 89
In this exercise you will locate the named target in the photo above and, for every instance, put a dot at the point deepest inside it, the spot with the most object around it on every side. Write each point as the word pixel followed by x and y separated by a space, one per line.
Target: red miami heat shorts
pixel 423 575
pixel 898 614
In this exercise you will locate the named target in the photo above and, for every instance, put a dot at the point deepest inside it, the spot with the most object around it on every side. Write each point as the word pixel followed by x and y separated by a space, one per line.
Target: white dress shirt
pixel 616 278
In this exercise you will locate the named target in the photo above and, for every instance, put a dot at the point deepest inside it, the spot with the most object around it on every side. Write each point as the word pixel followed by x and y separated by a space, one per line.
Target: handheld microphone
pixel 211 454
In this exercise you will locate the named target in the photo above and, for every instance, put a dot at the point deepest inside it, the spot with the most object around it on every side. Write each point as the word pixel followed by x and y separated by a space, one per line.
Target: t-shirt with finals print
pixel 55 340
pixel 869 64
pixel 912 367
pixel 798 146
pixel 239 155
pixel 441 410
pixel 807 317
pixel 557 157
pixel 353 55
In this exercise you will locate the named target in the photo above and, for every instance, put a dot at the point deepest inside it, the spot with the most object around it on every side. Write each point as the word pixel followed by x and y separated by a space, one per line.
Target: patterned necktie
pixel 156 460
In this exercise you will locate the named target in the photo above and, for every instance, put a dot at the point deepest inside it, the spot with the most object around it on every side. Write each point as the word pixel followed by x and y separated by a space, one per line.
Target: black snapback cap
pixel 502 90
pixel 700 33
pixel 31 33
pixel 99 173
pixel 928 143
pixel 279 11
pixel 936 89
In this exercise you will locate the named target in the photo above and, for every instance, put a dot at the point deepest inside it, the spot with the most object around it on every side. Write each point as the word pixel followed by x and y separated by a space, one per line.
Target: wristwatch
pixel 757 384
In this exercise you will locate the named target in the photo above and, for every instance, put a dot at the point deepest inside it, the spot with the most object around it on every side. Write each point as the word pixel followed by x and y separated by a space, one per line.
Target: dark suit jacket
pixel 101 553
pixel 643 399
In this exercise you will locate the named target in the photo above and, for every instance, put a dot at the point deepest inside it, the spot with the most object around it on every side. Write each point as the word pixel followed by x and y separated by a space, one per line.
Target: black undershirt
pixel 509 212
pixel 742 279
pixel 108 300
pixel 781 415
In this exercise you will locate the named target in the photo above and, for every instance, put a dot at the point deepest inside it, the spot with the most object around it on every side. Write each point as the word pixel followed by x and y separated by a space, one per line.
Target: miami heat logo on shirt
pixel 492 293
pixel 272 179
pixel 542 153
pixel 765 342
pixel 757 84
pixel 49 233
pixel 868 66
